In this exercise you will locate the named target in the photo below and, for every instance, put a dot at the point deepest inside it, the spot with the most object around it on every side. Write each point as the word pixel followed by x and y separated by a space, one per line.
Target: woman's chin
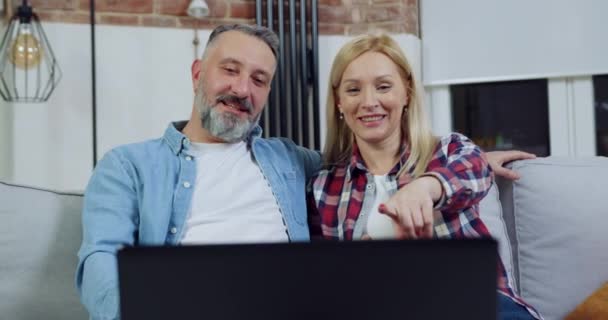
pixel 372 138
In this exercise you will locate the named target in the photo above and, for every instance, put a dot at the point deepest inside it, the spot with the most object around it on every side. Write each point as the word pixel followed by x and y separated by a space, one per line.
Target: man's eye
pixel 258 81
pixel 230 70
pixel 352 90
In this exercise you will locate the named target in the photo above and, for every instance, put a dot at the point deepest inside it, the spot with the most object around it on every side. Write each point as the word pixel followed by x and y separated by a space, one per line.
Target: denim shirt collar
pixel 177 141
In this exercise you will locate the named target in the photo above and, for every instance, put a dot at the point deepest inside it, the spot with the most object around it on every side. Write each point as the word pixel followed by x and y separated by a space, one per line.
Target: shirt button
pixel 186 184
pixel 188 158
pixel 173 230
pixel 370 186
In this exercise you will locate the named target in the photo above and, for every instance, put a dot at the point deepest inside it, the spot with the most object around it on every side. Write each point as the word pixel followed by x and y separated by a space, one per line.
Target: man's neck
pixel 196 133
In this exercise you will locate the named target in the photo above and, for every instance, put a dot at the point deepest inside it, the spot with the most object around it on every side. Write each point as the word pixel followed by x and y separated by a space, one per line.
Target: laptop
pixel 419 279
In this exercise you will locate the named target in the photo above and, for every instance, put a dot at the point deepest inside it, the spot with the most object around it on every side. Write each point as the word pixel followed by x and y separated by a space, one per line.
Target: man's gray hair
pixel 268 36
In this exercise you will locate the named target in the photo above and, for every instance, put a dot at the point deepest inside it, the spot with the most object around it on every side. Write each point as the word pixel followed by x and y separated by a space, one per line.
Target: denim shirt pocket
pixel 296 196
pixel 290 176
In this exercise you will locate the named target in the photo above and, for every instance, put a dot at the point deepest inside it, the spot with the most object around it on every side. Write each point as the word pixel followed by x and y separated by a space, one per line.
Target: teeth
pixel 371 118
pixel 233 106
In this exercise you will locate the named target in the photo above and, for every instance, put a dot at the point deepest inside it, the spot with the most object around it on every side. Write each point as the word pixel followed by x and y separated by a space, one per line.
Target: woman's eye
pixel 352 90
pixel 384 87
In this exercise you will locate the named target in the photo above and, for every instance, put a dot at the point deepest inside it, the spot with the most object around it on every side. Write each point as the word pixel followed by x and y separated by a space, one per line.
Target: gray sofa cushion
pixel 40 233
pixel 557 218
pixel 490 212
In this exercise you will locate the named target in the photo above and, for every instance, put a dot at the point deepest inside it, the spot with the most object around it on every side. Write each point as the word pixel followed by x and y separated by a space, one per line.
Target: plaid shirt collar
pixel 357 163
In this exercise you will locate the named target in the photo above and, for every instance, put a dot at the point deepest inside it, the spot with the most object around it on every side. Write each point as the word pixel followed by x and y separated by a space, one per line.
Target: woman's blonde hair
pixel 415 128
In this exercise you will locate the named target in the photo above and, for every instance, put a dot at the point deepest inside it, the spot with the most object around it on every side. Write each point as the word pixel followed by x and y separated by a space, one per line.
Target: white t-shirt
pixel 232 202
pixel 380 226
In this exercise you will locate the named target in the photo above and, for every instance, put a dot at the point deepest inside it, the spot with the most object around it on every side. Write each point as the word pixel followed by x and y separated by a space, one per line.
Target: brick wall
pixel 352 17
pixel 345 17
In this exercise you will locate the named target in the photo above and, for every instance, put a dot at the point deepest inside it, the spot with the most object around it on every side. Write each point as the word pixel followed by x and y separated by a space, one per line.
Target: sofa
pixel 40 233
pixel 551 226
pixel 552 230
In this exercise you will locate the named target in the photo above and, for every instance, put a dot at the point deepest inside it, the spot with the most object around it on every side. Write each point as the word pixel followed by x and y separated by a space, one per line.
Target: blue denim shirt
pixel 139 194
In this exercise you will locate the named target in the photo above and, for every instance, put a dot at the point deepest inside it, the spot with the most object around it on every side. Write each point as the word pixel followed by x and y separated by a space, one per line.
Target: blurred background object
pixel 29 71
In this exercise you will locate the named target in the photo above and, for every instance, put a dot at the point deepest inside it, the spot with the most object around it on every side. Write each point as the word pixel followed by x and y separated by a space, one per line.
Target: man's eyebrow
pixel 230 60
pixel 237 62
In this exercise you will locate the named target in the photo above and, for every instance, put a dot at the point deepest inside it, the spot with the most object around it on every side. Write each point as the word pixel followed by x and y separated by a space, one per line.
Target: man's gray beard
pixel 224 125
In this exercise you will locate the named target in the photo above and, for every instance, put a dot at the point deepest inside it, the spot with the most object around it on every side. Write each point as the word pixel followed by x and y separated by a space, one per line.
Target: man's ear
pixel 196 74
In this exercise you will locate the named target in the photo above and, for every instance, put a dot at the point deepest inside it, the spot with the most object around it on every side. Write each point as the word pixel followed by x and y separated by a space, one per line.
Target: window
pixel 504 115
pixel 600 85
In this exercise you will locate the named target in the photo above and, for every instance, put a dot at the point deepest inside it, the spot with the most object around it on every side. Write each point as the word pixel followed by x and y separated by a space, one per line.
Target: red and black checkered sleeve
pixel 462 169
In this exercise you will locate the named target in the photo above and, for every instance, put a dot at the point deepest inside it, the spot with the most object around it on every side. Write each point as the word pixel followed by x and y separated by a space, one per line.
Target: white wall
pixel 6 141
pixel 494 40
pixel 143 83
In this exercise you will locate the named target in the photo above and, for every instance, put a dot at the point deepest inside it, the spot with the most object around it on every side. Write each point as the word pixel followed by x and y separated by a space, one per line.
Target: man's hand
pixel 497 159
pixel 411 208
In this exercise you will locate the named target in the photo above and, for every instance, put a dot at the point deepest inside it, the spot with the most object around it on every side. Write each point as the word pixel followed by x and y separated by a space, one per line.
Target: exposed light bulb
pixel 25 51
pixel 198 9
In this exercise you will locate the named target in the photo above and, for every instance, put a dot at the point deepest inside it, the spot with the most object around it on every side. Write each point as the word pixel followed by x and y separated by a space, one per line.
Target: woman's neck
pixel 381 157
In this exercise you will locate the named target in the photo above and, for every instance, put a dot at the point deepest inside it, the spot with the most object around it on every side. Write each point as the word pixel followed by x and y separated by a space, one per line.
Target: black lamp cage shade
pixel 29 71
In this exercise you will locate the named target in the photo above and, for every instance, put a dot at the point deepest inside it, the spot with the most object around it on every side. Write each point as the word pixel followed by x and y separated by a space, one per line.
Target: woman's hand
pixel 497 159
pixel 411 208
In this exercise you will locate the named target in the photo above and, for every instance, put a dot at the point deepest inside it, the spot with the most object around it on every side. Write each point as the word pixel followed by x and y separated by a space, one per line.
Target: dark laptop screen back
pixel 437 279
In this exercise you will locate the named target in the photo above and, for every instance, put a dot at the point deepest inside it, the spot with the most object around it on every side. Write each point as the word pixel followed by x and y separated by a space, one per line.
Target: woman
pixel 378 143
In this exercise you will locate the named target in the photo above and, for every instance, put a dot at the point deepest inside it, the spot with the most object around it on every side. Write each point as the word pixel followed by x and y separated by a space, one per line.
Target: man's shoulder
pixel 279 145
pixel 277 142
pixel 147 151
pixel 287 147
pixel 136 163
pixel 137 148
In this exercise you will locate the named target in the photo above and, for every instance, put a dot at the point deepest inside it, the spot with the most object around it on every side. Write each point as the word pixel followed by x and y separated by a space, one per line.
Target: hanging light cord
pixel 196 42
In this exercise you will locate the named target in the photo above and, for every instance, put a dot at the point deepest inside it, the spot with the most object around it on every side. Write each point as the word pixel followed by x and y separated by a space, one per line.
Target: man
pixel 210 180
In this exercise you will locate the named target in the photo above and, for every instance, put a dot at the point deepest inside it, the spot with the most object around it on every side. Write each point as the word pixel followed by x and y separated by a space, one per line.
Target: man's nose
pixel 240 87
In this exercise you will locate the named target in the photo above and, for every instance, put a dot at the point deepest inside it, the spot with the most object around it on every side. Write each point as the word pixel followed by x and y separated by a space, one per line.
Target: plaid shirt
pixel 341 197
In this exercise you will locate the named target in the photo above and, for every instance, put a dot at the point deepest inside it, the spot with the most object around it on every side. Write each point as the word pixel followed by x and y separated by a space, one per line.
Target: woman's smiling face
pixel 372 96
